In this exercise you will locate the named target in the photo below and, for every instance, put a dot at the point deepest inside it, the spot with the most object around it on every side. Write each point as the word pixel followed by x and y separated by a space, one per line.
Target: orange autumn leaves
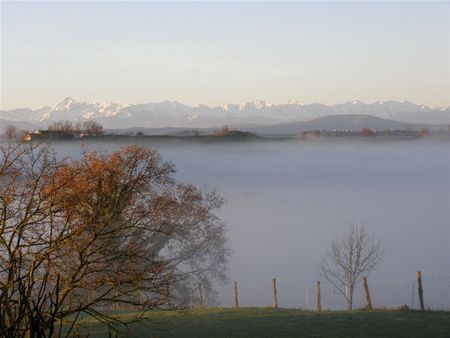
pixel 101 186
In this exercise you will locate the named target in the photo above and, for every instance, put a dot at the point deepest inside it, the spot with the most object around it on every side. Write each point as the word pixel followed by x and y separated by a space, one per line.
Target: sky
pixel 224 52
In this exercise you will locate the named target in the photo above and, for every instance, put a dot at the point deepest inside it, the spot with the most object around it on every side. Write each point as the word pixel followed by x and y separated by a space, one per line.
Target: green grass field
pixel 267 322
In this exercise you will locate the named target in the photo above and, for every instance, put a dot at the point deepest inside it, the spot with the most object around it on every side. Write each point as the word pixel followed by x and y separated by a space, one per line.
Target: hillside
pixel 339 122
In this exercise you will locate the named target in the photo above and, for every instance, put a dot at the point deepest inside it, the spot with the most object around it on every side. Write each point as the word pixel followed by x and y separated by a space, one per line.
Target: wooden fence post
pixel 201 294
pixel 420 290
pixel 274 287
pixel 319 297
pixel 236 299
pixel 366 290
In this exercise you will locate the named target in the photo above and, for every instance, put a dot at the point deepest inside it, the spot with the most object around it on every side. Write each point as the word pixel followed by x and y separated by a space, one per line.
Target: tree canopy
pixel 81 236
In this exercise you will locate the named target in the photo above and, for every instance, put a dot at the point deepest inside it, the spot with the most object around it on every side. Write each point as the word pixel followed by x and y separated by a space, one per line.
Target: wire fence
pixel 384 294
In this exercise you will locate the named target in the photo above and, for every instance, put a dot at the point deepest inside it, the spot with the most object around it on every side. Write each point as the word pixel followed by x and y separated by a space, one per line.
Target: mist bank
pixel 286 201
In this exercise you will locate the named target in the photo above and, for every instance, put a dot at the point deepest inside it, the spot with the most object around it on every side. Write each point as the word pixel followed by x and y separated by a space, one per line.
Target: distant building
pixel 49 135
pixel 92 130
pixel 341 133
pixel 364 132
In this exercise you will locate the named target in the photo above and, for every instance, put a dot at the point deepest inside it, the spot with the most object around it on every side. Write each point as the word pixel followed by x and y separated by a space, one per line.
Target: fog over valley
pixel 287 200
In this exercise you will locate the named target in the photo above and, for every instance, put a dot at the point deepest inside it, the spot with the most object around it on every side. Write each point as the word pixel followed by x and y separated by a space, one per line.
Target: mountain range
pixel 251 114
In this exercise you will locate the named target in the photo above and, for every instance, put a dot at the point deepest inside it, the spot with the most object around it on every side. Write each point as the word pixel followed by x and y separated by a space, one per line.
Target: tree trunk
pixel 350 297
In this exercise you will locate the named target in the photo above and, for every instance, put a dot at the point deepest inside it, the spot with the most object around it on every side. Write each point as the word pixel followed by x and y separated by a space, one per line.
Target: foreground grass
pixel 267 322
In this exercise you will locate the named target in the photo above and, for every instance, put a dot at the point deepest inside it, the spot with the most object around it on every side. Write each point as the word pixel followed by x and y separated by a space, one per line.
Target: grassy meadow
pixel 269 322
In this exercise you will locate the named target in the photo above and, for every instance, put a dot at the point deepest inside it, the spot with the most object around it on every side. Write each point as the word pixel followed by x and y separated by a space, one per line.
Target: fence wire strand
pixel 384 294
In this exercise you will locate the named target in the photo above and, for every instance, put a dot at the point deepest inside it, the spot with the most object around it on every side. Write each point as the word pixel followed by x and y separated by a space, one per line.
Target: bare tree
pixel 62 126
pixel 11 133
pixel 92 127
pixel 358 252
pixel 24 170
pixel 83 236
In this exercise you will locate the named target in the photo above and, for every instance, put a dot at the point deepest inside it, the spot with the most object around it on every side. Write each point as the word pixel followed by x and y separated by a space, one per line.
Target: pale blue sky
pixel 220 52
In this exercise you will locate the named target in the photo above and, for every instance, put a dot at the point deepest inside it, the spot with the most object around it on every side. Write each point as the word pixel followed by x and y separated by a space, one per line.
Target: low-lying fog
pixel 286 201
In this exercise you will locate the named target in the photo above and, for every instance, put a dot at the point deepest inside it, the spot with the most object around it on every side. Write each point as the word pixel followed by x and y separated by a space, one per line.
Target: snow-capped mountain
pixel 176 114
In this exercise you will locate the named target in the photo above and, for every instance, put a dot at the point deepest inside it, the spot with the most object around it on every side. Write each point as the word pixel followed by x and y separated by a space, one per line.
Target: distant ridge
pixel 342 122
pixel 178 115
